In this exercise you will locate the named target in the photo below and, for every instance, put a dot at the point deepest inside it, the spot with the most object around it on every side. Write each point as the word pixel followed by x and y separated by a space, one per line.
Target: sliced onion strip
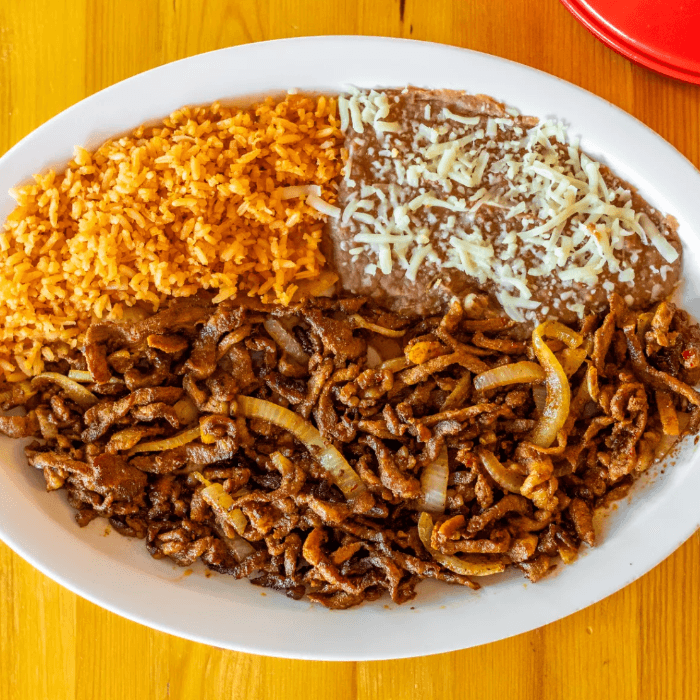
pixel 395 364
pixel 126 439
pixel 433 484
pixel 74 391
pixel 556 409
pixel 451 562
pixel 286 340
pixel 78 375
pixel 328 456
pixel 459 393
pixel 178 440
pixel 388 332
pixel 516 373
pixel 557 330
pixel 240 548
pixel 504 477
pixel 222 504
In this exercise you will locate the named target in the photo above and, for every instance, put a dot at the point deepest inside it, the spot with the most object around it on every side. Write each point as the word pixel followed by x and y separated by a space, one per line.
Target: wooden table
pixel 643 642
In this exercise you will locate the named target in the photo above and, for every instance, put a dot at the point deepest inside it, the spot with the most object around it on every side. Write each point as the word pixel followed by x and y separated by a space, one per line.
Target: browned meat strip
pixel 273 512
pixel 20 426
pixel 108 475
pixel 336 336
pixel 391 476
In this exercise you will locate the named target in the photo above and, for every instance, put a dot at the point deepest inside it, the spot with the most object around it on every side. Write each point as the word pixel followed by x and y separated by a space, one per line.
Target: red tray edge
pixel 624 48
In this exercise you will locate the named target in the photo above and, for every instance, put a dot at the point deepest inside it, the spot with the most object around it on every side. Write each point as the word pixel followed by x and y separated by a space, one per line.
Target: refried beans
pixel 447 194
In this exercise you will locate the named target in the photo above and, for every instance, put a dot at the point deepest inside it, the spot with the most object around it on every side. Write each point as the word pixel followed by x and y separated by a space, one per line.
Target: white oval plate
pixel 118 574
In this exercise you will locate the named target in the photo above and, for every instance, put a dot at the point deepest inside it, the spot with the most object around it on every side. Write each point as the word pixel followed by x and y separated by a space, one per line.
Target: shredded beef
pixel 166 431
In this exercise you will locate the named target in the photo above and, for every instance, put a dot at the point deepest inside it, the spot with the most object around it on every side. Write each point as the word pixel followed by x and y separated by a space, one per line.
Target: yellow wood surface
pixel 643 642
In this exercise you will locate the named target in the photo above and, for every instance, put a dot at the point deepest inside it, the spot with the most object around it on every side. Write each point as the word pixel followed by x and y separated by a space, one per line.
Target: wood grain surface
pixel 643 642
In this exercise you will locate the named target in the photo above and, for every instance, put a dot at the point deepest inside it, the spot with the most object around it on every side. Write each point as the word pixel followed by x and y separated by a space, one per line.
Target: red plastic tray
pixel 663 35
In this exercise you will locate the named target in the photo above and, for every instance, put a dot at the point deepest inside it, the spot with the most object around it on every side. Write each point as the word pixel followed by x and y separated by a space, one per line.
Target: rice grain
pixel 196 202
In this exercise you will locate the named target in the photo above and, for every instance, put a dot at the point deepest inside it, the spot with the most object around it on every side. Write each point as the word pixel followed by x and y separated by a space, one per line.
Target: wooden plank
pixel 642 642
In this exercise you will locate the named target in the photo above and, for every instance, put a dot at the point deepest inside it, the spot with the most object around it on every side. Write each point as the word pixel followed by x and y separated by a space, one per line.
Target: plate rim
pixel 24 550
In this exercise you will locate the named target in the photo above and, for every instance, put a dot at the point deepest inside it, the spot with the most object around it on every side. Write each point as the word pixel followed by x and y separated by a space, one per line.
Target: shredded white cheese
pixel 319 205
pixel 469 121
pixel 668 252
pixel 556 210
